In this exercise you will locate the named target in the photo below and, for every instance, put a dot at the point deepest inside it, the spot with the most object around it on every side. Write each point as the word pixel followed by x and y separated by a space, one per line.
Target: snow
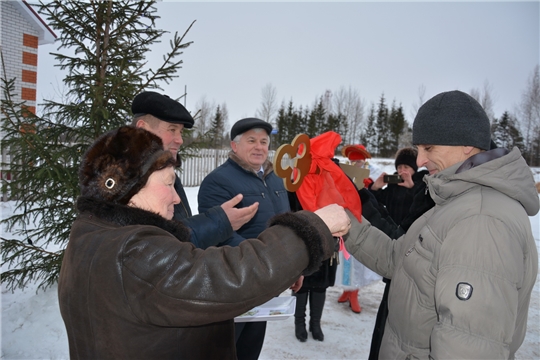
pixel 32 327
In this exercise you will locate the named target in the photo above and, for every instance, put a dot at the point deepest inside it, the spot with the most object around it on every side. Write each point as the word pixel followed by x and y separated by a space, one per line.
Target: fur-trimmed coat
pixel 132 286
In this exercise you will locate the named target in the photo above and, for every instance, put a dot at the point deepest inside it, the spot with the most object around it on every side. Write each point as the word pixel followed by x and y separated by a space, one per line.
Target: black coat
pixel 326 275
pixel 398 199
pixel 208 228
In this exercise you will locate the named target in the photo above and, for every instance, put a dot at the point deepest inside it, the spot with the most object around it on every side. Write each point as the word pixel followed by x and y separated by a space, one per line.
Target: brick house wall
pixel 22 31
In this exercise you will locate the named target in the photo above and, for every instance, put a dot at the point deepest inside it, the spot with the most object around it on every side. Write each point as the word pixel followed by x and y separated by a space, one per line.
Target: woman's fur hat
pixel 117 165
pixel 407 156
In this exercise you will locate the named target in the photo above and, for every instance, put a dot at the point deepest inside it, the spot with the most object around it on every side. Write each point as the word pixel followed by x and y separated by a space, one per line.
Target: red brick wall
pixel 29 58
pixel 30 41
pixel 29 77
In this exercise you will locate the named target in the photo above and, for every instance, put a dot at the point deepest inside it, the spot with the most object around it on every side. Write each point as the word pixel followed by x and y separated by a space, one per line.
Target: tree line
pixel 382 128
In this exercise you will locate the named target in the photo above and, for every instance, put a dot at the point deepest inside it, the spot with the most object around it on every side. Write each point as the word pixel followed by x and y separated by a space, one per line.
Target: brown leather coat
pixel 132 286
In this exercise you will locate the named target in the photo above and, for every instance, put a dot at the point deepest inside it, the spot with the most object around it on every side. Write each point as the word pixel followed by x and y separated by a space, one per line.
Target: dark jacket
pixel 398 199
pixel 234 177
pixel 379 217
pixel 208 228
pixel 131 286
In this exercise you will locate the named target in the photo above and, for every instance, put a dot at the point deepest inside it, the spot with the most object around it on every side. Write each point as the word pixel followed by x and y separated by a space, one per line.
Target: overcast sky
pixel 306 48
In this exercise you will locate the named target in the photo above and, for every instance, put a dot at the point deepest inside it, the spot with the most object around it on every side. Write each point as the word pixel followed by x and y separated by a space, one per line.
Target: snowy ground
pixel 33 329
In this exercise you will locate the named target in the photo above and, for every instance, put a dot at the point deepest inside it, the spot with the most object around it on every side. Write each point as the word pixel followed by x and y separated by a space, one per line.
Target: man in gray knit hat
pixel 463 273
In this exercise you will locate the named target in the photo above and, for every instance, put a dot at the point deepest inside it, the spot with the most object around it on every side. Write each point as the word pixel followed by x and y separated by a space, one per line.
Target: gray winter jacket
pixel 462 275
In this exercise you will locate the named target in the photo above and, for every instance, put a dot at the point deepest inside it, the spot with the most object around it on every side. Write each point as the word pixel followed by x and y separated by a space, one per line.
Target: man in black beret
pixel 167 118
pixel 248 170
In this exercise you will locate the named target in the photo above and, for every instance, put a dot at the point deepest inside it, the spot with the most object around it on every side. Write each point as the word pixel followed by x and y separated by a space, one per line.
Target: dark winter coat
pixel 398 199
pixel 379 217
pixel 234 177
pixel 463 274
pixel 208 228
pixel 131 286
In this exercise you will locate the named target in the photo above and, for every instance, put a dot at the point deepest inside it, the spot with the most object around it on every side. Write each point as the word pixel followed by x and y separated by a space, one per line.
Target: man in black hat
pixel 248 170
pixel 167 119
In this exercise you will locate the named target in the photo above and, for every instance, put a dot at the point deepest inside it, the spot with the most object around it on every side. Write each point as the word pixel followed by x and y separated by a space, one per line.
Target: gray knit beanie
pixel 452 118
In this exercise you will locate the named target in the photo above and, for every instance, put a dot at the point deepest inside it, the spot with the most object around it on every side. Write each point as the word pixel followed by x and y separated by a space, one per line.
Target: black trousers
pixel 380 323
pixel 249 337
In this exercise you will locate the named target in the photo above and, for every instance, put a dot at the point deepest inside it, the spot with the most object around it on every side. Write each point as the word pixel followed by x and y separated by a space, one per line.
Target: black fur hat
pixel 407 156
pixel 117 165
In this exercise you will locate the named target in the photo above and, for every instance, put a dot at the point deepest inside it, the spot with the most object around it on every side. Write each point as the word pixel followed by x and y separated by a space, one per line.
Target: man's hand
pixel 379 183
pixel 297 284
pixel 335 217
pixel 238 217
pixel 407 180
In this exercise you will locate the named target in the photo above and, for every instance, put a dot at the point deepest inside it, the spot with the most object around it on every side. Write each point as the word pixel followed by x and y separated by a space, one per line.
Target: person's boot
pixel 316 305
pixel 300 316
pixel 353 300
pixel 344 297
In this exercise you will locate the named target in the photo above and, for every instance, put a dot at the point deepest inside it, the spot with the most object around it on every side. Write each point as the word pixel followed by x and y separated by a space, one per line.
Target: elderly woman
pixel 133 286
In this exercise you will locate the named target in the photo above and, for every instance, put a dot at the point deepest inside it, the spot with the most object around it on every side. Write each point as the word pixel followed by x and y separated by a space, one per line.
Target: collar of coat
pixel 481 158
pixel 123 215
pixel 267 165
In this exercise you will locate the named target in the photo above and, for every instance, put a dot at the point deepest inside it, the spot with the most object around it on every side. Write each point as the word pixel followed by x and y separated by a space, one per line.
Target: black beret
pixel 241 126
pixel 162 107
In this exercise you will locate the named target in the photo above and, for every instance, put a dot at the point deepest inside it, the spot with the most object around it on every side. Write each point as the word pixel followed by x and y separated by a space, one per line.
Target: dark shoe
pixel 300 316
pixel 316 331
pixel 300 331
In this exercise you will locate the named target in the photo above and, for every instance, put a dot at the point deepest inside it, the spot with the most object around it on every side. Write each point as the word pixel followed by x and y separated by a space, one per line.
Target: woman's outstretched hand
pixel 335 217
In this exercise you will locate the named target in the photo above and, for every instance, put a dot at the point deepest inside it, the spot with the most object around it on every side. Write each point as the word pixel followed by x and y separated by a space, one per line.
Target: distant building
pixel 23 30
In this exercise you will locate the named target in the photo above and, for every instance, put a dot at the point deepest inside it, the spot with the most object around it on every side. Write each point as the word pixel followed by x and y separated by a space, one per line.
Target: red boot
pixel 344 297
pixel 353 300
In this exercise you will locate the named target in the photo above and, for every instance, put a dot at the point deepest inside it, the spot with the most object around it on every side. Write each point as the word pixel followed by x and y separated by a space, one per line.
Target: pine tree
pixel 317 120
pixel 383 130
pixel 505 132
pixel 281 122
pixel 397 126
pixel 338 124
pixel 369 135
pixel 217 129
pixel 291 124
pixel 313 119
pixel 110 40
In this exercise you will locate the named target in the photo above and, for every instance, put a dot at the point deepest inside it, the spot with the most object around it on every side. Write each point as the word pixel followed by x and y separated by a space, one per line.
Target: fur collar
pixel 124 215
pixel 267 165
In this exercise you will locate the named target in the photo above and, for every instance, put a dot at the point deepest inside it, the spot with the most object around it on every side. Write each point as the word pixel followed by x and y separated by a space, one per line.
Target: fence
pixel 194 169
